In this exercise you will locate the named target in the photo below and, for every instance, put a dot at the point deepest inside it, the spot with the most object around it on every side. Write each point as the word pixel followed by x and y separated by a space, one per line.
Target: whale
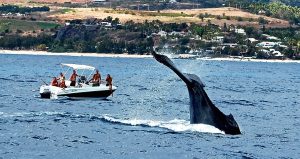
pixel 202 109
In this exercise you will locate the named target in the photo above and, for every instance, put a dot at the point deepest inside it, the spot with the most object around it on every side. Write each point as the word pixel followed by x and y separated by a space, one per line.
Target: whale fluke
pixel 202 110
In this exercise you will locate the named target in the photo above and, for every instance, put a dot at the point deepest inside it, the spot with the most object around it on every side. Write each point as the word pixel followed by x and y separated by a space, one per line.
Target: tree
pixel 225 29
pixel 108 19
pixel 201 16
pixel 240 19
pixel 249 30
pixel 262 21
pixel 41 47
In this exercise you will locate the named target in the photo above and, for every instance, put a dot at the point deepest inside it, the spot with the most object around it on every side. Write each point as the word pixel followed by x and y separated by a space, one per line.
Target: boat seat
pixel 82 79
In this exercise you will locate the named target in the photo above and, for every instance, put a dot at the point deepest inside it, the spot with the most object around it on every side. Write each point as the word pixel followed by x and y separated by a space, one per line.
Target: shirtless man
pixel 73 78
pixel 96 79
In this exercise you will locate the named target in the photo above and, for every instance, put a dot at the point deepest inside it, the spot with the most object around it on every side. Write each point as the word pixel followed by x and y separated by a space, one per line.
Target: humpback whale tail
pixel 202 110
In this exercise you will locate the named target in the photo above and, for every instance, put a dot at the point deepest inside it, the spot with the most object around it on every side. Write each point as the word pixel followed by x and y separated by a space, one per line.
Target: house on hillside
pixel 232 45
pixel 267 44
pixel 218 39
pixel 269 37
pixel 276 54
pixel 175 33
pixel 251 40
pixel 160 34
pixel 240 31
pixel 106 24
pixel 262 12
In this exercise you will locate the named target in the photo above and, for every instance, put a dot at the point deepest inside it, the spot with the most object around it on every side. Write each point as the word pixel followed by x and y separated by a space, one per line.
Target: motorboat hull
pixel 94 94
pixel 45 95
pixel 101 92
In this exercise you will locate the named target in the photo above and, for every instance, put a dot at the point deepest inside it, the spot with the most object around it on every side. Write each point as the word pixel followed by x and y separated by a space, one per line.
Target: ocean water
pixel 148 115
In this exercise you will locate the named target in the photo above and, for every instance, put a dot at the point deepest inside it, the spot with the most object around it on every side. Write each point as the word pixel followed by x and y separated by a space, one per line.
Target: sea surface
pixel 148 115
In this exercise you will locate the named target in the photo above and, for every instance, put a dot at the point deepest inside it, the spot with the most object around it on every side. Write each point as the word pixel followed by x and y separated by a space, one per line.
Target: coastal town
pixel 111 27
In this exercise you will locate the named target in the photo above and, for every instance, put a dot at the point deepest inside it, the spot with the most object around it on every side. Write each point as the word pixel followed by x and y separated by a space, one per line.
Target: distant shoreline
pixel 44 53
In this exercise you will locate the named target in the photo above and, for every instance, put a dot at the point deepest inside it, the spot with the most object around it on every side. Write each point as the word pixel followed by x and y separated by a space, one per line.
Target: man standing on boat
pixel 73 78
pixel 62 83
pixel 109 82
pixel 96 79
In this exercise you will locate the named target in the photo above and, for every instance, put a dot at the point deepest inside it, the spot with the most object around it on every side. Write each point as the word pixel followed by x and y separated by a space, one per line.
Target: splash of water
pixel 174 125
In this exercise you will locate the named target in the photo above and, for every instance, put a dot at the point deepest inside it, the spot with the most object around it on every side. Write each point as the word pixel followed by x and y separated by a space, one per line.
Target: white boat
pixel 82 89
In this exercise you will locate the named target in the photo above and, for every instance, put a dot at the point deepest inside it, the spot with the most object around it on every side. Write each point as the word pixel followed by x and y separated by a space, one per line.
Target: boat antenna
pixel 44 82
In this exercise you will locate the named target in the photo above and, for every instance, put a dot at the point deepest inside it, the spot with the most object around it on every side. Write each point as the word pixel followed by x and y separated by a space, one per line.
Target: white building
pixel 232 45
pixel 105 24
pixel 277 54
pixel 269 37
pixel 251 40
pixel 162 33
pixel 267 44
pixel 219 39
pixel 240 31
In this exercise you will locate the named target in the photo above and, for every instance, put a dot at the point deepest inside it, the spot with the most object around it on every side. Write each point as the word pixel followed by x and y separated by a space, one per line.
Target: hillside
pixel 171 16
pixel 41 1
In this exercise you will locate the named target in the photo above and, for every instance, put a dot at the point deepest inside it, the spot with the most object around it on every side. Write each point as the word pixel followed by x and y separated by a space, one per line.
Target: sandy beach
pixel 44 53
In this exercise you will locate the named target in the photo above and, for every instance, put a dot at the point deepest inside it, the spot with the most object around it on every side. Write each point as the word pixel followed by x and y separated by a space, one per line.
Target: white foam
pixel 22 114
pixel 174 125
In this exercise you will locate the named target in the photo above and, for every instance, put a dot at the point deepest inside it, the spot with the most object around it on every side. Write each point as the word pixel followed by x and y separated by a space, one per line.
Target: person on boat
pixel 61 77
pixel 96 79
pixel 73 78
pixel 109 82
pixel 54 82
pixel 62 83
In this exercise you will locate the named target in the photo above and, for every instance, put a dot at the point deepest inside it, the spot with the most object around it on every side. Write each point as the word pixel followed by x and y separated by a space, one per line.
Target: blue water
pixel 148 115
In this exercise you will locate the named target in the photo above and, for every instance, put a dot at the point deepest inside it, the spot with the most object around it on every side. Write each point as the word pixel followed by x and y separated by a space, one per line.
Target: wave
pixel 21 81
pixel 175 125
pixel 30 114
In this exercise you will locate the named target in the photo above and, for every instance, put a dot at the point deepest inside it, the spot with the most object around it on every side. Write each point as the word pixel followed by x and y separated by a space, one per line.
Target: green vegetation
pixel 166 14
pixel 14 25
pixel 66 10
pixel 237 18
pixel 277 10
pixel 15 41
pixel 47 25
pixel 22 10
pixel 139 38
pixel 144 13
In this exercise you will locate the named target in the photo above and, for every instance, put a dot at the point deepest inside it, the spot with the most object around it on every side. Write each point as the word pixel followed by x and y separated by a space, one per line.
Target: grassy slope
pixel 13 25
pixel 169 16
pixel 41 1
